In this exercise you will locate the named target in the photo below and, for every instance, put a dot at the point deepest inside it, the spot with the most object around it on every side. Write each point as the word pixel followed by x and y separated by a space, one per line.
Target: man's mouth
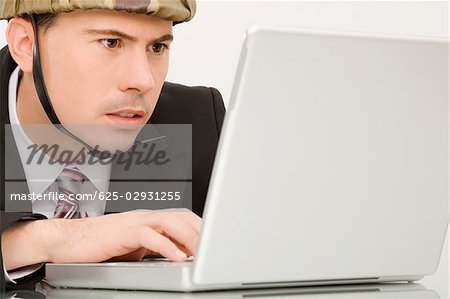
pixel 126 119
pixel 128 113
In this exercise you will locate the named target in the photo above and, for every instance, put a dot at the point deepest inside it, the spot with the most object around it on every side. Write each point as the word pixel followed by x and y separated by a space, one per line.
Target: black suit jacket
pixel 201 107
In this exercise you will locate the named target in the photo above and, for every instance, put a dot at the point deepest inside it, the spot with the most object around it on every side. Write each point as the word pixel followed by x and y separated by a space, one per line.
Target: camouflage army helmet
pixel 177 11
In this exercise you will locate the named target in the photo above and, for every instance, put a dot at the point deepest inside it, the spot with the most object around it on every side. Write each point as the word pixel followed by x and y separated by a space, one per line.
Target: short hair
pixel 45 21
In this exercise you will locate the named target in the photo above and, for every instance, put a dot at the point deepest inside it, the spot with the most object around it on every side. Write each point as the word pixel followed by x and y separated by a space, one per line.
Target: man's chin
pixel 124 123
pixel 106 138
pixel 109 149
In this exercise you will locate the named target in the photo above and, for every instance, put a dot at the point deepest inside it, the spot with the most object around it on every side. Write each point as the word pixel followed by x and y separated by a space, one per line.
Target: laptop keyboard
pixel 150 261
pixel 153 261
pixel 163 260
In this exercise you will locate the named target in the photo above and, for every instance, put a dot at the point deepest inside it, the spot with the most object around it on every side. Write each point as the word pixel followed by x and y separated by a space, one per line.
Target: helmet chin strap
pixel 45 100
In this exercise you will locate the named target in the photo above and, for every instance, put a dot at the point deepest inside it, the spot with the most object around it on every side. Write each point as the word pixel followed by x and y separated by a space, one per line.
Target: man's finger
pixel 179 231
pixel 194 221
pixel 156 242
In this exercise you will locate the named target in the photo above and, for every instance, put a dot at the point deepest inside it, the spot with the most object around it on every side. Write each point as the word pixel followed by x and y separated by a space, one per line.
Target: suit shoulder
pixel 188 104
pixel 190 93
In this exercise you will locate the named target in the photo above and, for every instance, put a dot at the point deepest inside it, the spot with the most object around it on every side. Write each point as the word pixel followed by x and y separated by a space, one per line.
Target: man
pixel 100 63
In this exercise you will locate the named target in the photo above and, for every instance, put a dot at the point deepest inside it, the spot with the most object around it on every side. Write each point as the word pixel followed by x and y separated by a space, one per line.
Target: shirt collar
pixel 39 178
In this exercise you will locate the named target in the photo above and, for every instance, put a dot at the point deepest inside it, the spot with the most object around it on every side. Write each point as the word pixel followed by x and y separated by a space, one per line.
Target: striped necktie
pixel 69 182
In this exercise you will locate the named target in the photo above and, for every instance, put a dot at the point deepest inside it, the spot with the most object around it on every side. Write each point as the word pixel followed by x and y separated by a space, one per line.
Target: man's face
pixel 105 67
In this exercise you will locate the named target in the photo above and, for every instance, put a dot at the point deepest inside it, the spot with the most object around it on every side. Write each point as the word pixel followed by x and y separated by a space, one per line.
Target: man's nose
pixel 137 73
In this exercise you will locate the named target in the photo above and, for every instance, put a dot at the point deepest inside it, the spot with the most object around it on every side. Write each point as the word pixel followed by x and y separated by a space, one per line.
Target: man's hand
pixel 130 236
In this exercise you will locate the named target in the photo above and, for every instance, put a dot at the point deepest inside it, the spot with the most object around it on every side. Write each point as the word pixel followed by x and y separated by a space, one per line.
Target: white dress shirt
pixel 41 177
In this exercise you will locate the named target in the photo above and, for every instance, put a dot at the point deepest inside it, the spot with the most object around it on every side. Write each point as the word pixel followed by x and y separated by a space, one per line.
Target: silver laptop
pixel 372 291
pixel 332 168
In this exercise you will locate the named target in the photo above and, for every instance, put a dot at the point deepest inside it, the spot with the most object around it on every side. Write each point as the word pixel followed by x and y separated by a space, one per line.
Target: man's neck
pixel 29 109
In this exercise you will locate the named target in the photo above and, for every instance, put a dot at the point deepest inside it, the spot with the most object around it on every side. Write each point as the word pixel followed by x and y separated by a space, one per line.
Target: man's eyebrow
pixel 123 35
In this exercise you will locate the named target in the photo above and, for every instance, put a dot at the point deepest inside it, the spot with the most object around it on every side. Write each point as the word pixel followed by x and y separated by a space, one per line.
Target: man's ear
pixel 20 38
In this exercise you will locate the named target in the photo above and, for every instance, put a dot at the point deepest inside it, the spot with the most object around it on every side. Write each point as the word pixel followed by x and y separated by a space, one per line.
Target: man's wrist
pixel 55 234
pixel 42 237
pixel 23 244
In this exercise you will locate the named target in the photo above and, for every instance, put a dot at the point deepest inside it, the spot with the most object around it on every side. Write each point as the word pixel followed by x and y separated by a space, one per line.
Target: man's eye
pixel 110 43
pixel 159 47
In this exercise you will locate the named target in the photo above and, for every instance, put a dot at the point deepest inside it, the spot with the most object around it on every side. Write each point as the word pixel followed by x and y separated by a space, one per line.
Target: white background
pixel 206 50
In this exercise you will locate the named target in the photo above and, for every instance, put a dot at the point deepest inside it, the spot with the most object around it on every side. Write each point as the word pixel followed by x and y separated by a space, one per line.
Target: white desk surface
pixel 439 281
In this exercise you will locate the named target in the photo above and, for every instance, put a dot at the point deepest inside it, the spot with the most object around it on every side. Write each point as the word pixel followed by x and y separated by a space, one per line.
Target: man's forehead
pixel 120 24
